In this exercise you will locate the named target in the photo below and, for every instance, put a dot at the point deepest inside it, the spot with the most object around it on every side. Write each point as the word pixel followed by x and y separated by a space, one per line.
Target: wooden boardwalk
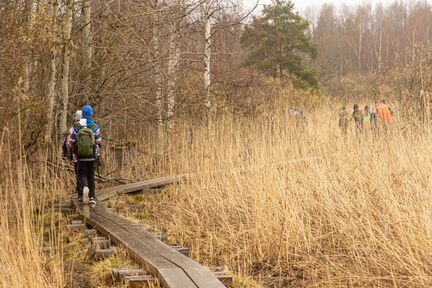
pixel 105 194
pixel 172 268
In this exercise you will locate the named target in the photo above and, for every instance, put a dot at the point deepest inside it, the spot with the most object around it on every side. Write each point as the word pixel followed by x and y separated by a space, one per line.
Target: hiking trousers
pixel 86 171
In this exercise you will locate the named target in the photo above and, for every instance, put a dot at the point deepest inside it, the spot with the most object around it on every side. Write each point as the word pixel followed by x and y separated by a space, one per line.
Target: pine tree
pixel 278 43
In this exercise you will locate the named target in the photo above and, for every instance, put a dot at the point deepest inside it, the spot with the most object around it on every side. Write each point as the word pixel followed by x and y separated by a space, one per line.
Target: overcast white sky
pixel 301 5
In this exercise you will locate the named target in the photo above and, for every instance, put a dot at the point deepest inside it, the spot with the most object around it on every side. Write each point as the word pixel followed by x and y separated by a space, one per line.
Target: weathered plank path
pixel 107 193
pixel 172 268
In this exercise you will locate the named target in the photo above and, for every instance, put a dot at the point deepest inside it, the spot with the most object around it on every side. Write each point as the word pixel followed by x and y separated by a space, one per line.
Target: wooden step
pixel 100 254
pixel 76 227
pixel 223 277
pixel 102 244
pixel 90 232
pixel 161 236
pixel 135 281
pixel 63 204
pixel 120 273
pixel 65 210
pixel 96 240
pixel 72 217
pixel 182 250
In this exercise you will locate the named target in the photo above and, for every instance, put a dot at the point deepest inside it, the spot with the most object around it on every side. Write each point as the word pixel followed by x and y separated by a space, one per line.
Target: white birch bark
pixel 207 51
pixel 380 50
pixel 66 65
pixel 52 78
pixel 88 48
pixel 157 72
pixel 51 97
pixel 360 47
pixel 413 42
pixel 174 56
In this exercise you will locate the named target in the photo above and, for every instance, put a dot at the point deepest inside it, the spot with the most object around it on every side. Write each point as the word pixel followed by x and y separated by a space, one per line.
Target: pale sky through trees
pixel 301 5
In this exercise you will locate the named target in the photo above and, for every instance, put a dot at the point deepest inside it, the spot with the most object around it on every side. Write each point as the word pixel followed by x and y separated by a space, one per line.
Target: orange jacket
pixel 384 113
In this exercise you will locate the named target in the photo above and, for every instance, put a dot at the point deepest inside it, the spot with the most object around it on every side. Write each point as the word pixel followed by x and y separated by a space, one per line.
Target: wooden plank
pixel 105 194
pixel 169 274
pixel 120 236
pixel 175 276
pixel 201 276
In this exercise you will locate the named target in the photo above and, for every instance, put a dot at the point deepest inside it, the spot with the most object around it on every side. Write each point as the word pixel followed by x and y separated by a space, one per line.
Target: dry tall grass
pixel 358 216
pixel 26 224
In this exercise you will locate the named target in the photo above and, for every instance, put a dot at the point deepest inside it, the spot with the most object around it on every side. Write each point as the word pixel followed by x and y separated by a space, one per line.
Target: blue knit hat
pixel 87 111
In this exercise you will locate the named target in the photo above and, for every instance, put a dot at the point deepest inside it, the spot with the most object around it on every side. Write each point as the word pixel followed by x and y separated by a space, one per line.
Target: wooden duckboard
pixel 172 268
pixel 105 194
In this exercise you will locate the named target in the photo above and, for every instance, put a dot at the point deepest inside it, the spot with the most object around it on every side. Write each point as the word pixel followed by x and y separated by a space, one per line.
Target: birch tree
pixel 67 29
pixel 173 61
pixel 208 12
pixel 52 76
pixel 88 49
pixel 158 77
pixel 379 16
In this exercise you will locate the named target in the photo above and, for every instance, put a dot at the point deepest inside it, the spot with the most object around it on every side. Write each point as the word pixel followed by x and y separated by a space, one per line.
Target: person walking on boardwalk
pixel 357 115
pixel 86 141
pixel 343 121
pixel 67 149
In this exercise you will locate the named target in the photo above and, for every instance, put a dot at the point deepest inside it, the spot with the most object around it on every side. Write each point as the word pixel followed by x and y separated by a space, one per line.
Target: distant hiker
pixel 367 115
pixel 298 116
pixel 343 121
pixel 384 113
pixel 373 119
pixel 85 142
pixel 67 149
pixel 357 115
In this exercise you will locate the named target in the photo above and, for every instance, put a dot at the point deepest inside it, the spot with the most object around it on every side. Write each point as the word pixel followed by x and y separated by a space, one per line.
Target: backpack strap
pixel 77 127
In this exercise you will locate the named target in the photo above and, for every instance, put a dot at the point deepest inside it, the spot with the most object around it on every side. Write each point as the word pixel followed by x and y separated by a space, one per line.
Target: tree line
pixel 369 38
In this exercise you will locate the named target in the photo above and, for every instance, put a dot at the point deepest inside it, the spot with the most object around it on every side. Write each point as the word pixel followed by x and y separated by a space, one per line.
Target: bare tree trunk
pixel 51 97
pixel 66 65
pixel 27 67
pixel 52 78
pixel 174 56
pixel 360 47
pixel 380 50
pixel 413 42
pixel 88 49
pixel 207 52
pixel 158 77
pixel 158 83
